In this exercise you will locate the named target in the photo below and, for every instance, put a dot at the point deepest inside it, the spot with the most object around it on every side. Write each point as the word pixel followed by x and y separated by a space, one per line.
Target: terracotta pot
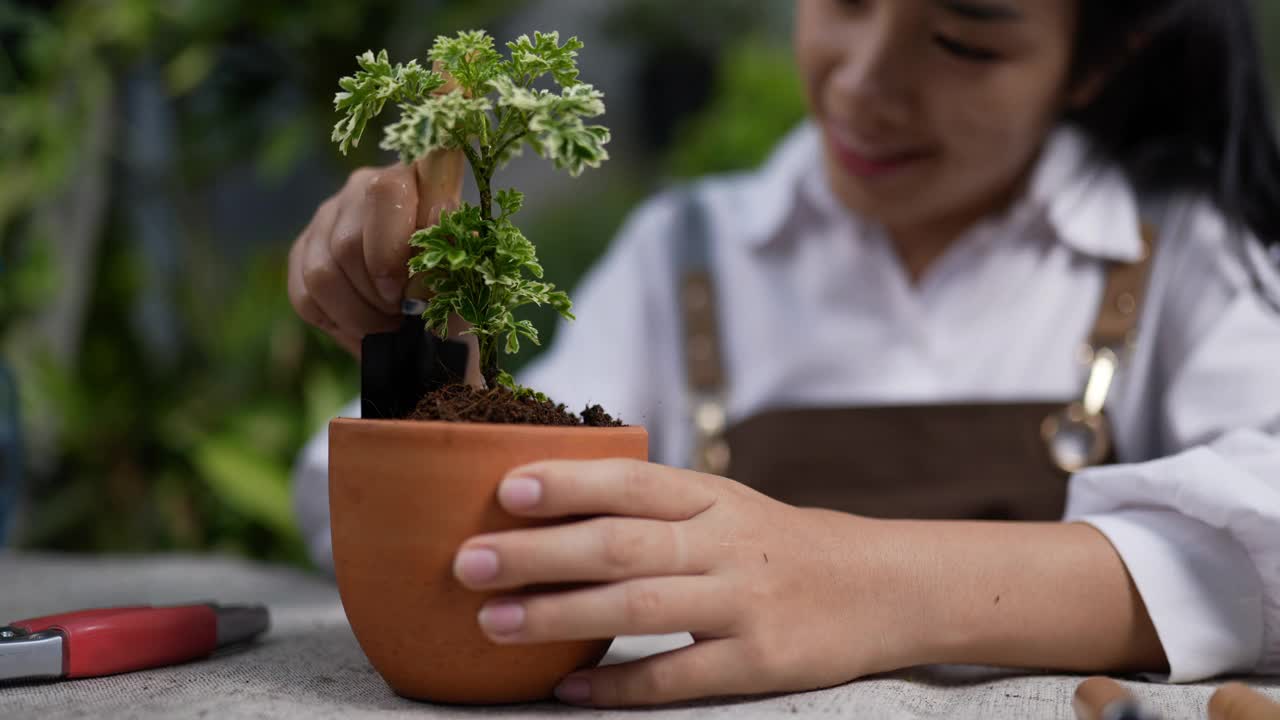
pixel 403 496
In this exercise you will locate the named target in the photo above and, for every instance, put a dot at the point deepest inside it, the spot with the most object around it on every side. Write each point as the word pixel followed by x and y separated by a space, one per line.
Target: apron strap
pixel 697 296
pixel 1116 324
pixel 1080 436
pixel 704 363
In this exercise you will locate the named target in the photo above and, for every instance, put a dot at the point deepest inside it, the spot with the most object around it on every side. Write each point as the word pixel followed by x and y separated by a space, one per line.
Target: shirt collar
pixel 1087 203
pixel 772 195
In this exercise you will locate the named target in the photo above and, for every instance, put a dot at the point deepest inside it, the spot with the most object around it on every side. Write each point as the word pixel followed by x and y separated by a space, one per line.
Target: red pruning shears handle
pixel 105 641
pixel 109 641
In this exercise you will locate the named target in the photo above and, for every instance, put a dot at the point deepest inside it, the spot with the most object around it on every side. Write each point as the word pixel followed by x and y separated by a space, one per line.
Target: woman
pixel 893 308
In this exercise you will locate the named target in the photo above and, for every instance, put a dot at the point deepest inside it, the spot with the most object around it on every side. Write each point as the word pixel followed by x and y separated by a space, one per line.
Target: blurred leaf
pixel 177 511
pixel 758 98
pixel 248 482
pixel 284 147
pixel 706 24
pixel 60 512
pixel 324 396
pixel 265 427
pixel 189 68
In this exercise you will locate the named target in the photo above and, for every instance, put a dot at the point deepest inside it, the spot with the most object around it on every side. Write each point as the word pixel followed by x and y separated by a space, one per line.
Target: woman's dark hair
pixel 1185 104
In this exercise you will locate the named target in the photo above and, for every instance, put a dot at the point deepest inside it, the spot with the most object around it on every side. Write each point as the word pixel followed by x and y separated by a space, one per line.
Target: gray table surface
pixel 309 665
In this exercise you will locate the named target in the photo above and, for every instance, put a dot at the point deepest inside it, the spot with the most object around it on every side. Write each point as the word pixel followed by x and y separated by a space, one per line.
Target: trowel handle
pixel 439 175
pixel 439 172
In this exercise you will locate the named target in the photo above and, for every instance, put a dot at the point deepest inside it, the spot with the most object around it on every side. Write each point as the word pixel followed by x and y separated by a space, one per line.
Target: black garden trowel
pixel 398 368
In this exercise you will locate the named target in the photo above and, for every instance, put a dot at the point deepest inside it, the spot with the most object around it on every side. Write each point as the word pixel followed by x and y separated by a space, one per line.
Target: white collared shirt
pixel 816 310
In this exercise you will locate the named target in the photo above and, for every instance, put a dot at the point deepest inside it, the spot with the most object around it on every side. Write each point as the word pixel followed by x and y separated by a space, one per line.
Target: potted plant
pixel 405 493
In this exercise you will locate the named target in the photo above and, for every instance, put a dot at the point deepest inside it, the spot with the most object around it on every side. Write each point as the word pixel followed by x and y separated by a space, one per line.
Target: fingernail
pixel 389 289
pixel 476 565
pixel 520 492
pixel 502 617
pixel 576 690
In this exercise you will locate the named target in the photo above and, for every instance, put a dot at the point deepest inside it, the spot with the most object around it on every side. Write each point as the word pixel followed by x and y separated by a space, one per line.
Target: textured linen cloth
pixel 309 665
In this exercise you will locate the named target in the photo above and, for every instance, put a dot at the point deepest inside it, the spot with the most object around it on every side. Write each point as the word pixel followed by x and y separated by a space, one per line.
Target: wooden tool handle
pixel 439 174
pixel 1101 698
pixel 1234 701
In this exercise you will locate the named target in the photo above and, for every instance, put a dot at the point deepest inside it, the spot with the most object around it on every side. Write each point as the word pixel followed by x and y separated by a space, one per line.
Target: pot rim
pixel 418 426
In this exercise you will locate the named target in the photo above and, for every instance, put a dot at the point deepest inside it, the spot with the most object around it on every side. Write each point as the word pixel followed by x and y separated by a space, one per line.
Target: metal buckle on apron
pixel 1080 435
pixel 710 419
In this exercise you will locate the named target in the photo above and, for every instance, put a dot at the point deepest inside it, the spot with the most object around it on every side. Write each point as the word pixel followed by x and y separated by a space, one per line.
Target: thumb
pixel 390 211
pixel 399 200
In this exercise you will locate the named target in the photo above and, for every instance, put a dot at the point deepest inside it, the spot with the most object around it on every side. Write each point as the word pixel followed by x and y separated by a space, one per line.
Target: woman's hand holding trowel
pixel 347 269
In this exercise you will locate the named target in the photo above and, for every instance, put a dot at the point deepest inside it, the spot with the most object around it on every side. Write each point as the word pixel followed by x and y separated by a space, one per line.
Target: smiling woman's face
pixel 933 110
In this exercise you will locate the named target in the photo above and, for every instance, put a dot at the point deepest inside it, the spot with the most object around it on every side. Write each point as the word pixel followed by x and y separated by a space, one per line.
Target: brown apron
pixel 1005 461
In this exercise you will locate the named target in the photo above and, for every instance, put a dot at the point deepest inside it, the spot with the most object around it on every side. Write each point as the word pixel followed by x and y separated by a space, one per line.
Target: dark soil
pixel 463 403
pixel 595 416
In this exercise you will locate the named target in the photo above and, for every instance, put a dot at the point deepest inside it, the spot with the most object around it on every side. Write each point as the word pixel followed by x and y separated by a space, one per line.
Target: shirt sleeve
pixel 1194 512
pixel 616 354
pixel 618 351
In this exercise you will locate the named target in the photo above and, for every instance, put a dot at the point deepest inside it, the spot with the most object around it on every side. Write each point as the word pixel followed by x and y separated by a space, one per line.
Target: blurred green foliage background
pixel 157 158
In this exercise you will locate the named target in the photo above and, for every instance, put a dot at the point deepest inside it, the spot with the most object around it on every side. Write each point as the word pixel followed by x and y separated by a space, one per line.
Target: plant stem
pixel 509 142
pixel 486 200
pixel 488 344
pixel 482 168
pixel 489 368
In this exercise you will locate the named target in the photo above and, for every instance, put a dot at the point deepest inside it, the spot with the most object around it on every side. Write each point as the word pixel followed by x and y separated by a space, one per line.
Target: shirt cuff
pixel 1200 588
pixel 311 493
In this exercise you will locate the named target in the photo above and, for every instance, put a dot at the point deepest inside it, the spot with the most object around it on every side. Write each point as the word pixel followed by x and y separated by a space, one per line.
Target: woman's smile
pixel 872 161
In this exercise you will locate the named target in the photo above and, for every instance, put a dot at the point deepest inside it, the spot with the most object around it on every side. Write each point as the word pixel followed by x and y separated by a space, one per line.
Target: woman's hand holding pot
pixel 780 598
pixel 755 582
